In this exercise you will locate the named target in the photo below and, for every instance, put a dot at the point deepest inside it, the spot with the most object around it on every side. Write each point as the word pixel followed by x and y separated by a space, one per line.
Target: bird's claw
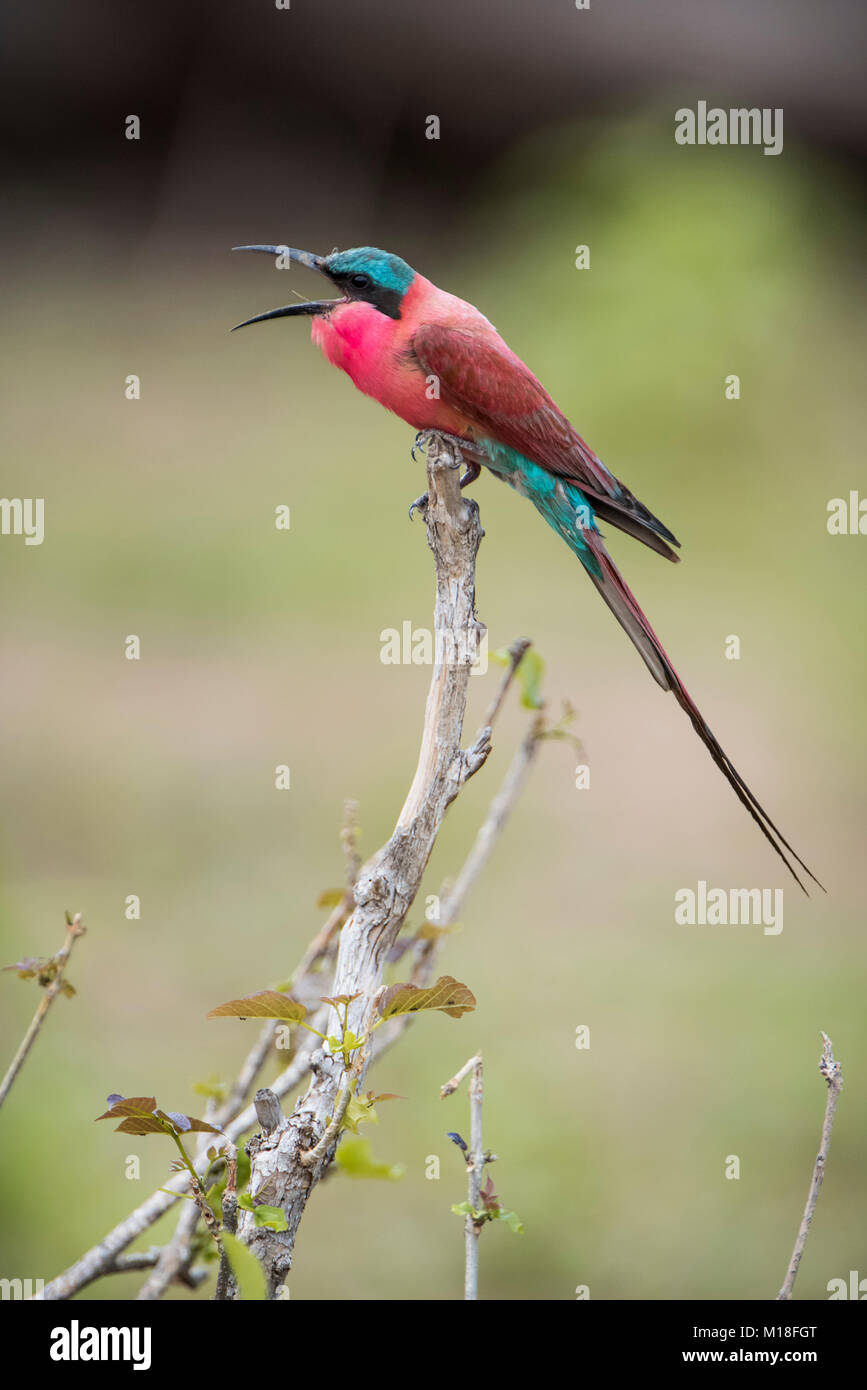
pixel 458 444
pixel 473 469
pixel 419 504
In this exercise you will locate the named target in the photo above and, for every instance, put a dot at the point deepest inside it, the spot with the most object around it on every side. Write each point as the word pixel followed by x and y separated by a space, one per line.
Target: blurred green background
pixel 261 647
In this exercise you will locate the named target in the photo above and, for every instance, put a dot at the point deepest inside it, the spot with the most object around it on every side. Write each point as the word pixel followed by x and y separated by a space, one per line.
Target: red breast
pixel 376 352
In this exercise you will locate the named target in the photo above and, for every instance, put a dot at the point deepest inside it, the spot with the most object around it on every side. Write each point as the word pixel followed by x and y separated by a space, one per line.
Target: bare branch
pixel 58 965
pixel 832 1072
pixel 226 1288
pixel 451 1086
pixel 174 1256
pixel 137 1260
pixel 388 883
pixel 476 1166
pixel 349 839
pixel 517 652
pixel 269 1111
pixel 492 827
pixel 476 1158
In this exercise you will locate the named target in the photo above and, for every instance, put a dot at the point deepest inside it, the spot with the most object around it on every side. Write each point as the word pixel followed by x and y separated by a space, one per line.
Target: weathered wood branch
pixel 286 1166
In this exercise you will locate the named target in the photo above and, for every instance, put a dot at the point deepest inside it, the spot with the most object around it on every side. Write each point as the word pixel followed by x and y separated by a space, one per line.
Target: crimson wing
pixel 487 382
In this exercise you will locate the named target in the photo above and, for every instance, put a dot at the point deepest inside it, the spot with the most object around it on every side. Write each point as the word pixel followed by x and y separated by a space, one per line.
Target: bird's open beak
pixel 313 306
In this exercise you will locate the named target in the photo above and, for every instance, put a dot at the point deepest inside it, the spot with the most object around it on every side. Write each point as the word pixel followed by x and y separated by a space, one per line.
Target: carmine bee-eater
pixel 394 333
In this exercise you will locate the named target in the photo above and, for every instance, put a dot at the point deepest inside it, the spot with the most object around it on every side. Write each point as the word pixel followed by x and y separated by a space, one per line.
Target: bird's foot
pixel 460 445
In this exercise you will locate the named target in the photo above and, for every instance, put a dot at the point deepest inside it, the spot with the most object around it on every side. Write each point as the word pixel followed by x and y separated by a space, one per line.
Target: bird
pixel 436 361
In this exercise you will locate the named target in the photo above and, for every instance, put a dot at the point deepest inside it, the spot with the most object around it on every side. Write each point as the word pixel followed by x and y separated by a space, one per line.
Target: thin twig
pixel 476 1166
pixel 494 823
pixel 311 1157
pixel 451 1086
pixel 476 1158
pixel 349 839
pixel 517 652
pixel 58 964
pixel 226 1290
pixel 832 1072
pixel 133 1261
pixel 175 1255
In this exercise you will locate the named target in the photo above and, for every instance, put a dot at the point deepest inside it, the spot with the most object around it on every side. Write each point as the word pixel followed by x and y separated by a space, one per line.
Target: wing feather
pixel 484 379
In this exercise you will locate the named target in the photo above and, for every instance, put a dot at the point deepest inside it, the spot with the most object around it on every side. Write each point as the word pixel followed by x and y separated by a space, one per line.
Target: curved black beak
pixel 313 306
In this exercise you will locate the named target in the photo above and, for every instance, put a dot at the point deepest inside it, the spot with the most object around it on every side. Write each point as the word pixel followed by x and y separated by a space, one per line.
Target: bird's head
pixel 364 275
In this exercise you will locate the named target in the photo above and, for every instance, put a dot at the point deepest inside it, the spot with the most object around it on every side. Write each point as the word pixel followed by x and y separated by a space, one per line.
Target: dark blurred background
pixel 155 777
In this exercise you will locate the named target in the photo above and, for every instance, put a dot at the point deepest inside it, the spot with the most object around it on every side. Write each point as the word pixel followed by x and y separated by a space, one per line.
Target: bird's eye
pixel 359 282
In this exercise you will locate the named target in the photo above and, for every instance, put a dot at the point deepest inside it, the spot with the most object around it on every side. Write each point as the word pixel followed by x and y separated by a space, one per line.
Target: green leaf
pixel 529 675
pixel 356 1161
pixel 331 897
pixel 448 995
pixel 513 1221
pixel 272 1217
pixel 249 1274
pixel 348 1043
pixel 263 1215
pixel 462 1209
pixel 429 931
pixel 359 1111
pixel 212 1089
pixel 267 1003
pixel 41 968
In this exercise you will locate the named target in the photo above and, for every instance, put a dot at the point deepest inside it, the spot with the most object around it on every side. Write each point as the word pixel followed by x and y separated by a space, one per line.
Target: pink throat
pixel 376 352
